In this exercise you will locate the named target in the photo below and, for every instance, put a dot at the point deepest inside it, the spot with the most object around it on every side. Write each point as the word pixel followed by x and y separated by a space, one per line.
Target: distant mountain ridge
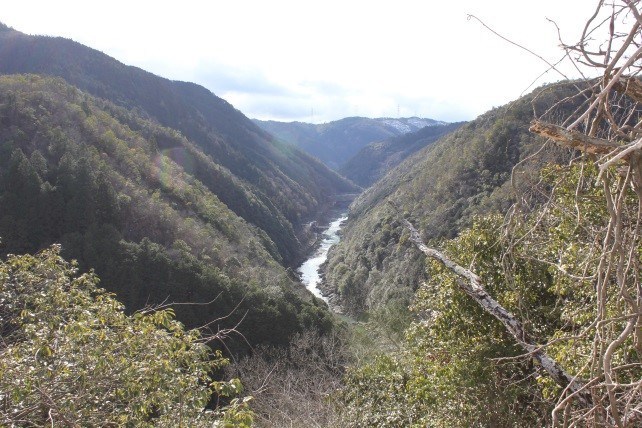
pixel 336 142
pixel 374 160
pixel 273 186
pixel 406 125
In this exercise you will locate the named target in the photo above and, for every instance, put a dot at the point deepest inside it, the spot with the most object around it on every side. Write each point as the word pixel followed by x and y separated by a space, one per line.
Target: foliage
pixel 541 264
pixel 379 394
pixel 458 356
pixel 71 357
pixel 593 288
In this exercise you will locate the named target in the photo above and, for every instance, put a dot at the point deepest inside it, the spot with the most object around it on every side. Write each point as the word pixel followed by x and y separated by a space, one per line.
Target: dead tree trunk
pixel 472 285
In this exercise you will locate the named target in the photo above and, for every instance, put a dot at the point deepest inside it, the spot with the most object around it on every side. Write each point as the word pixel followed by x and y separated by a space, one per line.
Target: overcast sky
pixel 324 60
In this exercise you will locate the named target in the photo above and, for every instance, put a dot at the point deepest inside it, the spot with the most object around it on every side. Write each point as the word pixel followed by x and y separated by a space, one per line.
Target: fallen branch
pixel 472 285
pixel 573 139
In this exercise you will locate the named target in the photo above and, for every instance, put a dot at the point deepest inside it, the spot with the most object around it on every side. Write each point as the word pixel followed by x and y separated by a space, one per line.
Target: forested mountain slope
pixel 337 141
pixel 377 158
pixel 105 183
pixel 440 189
pixel 269 184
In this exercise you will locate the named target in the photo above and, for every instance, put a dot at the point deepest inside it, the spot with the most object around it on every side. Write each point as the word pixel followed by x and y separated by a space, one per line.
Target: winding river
pixel 309 270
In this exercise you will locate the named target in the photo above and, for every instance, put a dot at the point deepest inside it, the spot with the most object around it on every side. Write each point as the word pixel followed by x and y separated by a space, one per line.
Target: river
pixel 309 270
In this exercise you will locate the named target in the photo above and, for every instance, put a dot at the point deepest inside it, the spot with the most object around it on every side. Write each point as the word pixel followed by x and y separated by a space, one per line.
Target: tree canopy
pixel 70 356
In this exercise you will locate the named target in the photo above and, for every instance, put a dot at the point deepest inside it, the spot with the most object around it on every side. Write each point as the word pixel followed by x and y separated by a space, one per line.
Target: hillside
pixel 271 185
pixel 104 182
pixel 377 158
pixel 440 189
pixel 338 141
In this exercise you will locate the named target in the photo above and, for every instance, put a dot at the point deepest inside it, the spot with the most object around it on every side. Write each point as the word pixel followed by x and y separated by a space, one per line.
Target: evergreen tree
pixel 71 357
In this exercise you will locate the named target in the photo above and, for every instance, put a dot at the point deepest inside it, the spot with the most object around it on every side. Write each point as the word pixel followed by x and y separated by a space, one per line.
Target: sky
pixel 318 61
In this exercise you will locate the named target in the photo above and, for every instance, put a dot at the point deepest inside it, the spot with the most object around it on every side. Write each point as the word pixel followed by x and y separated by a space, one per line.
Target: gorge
pixel 167 261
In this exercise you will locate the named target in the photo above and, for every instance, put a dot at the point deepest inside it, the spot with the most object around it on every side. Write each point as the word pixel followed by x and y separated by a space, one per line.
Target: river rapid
pixel 309 270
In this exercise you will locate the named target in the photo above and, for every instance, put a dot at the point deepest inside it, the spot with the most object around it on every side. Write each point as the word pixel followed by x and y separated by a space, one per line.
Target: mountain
pixel 440 189
pixel 83 172
pixel 375 159
pixel 336 142
pixel 269 184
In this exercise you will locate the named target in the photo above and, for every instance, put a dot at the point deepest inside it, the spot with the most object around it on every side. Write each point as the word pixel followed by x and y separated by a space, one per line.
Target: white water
pixel 309 270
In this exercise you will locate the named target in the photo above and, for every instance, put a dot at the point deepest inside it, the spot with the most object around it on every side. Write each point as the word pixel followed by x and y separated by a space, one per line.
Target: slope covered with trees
pixel 271 185
pixel 118 192
pixel 545 265
pixel 441 188
pixel 531 316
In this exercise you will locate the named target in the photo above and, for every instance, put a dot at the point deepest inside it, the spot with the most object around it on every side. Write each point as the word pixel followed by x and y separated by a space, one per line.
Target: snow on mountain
pixel 410 124
pixel 398 125
pixel 422 123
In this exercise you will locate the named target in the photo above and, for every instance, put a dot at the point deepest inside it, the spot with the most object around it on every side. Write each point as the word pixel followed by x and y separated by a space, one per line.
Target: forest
pixel 489 276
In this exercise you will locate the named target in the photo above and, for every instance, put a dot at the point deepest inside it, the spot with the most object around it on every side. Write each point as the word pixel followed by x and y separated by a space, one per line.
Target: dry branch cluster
pixel 607 131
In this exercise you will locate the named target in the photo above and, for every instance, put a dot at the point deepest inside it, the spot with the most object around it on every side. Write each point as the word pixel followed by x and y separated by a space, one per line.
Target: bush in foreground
pixel 69 356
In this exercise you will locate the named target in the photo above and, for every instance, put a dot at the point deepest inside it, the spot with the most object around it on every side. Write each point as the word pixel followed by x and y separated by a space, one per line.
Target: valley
pixel 166 260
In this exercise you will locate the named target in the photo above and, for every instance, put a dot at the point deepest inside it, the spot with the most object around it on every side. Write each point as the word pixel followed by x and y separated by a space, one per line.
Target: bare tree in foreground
pixel 291 387
pixel 607 129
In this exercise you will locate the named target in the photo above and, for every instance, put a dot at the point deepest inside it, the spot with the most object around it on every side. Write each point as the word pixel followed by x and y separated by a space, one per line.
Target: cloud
pixel 320 103
pixel 286 108
pixel 256 95
pixel 284 59
pixel 221 78
pixel 259 96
